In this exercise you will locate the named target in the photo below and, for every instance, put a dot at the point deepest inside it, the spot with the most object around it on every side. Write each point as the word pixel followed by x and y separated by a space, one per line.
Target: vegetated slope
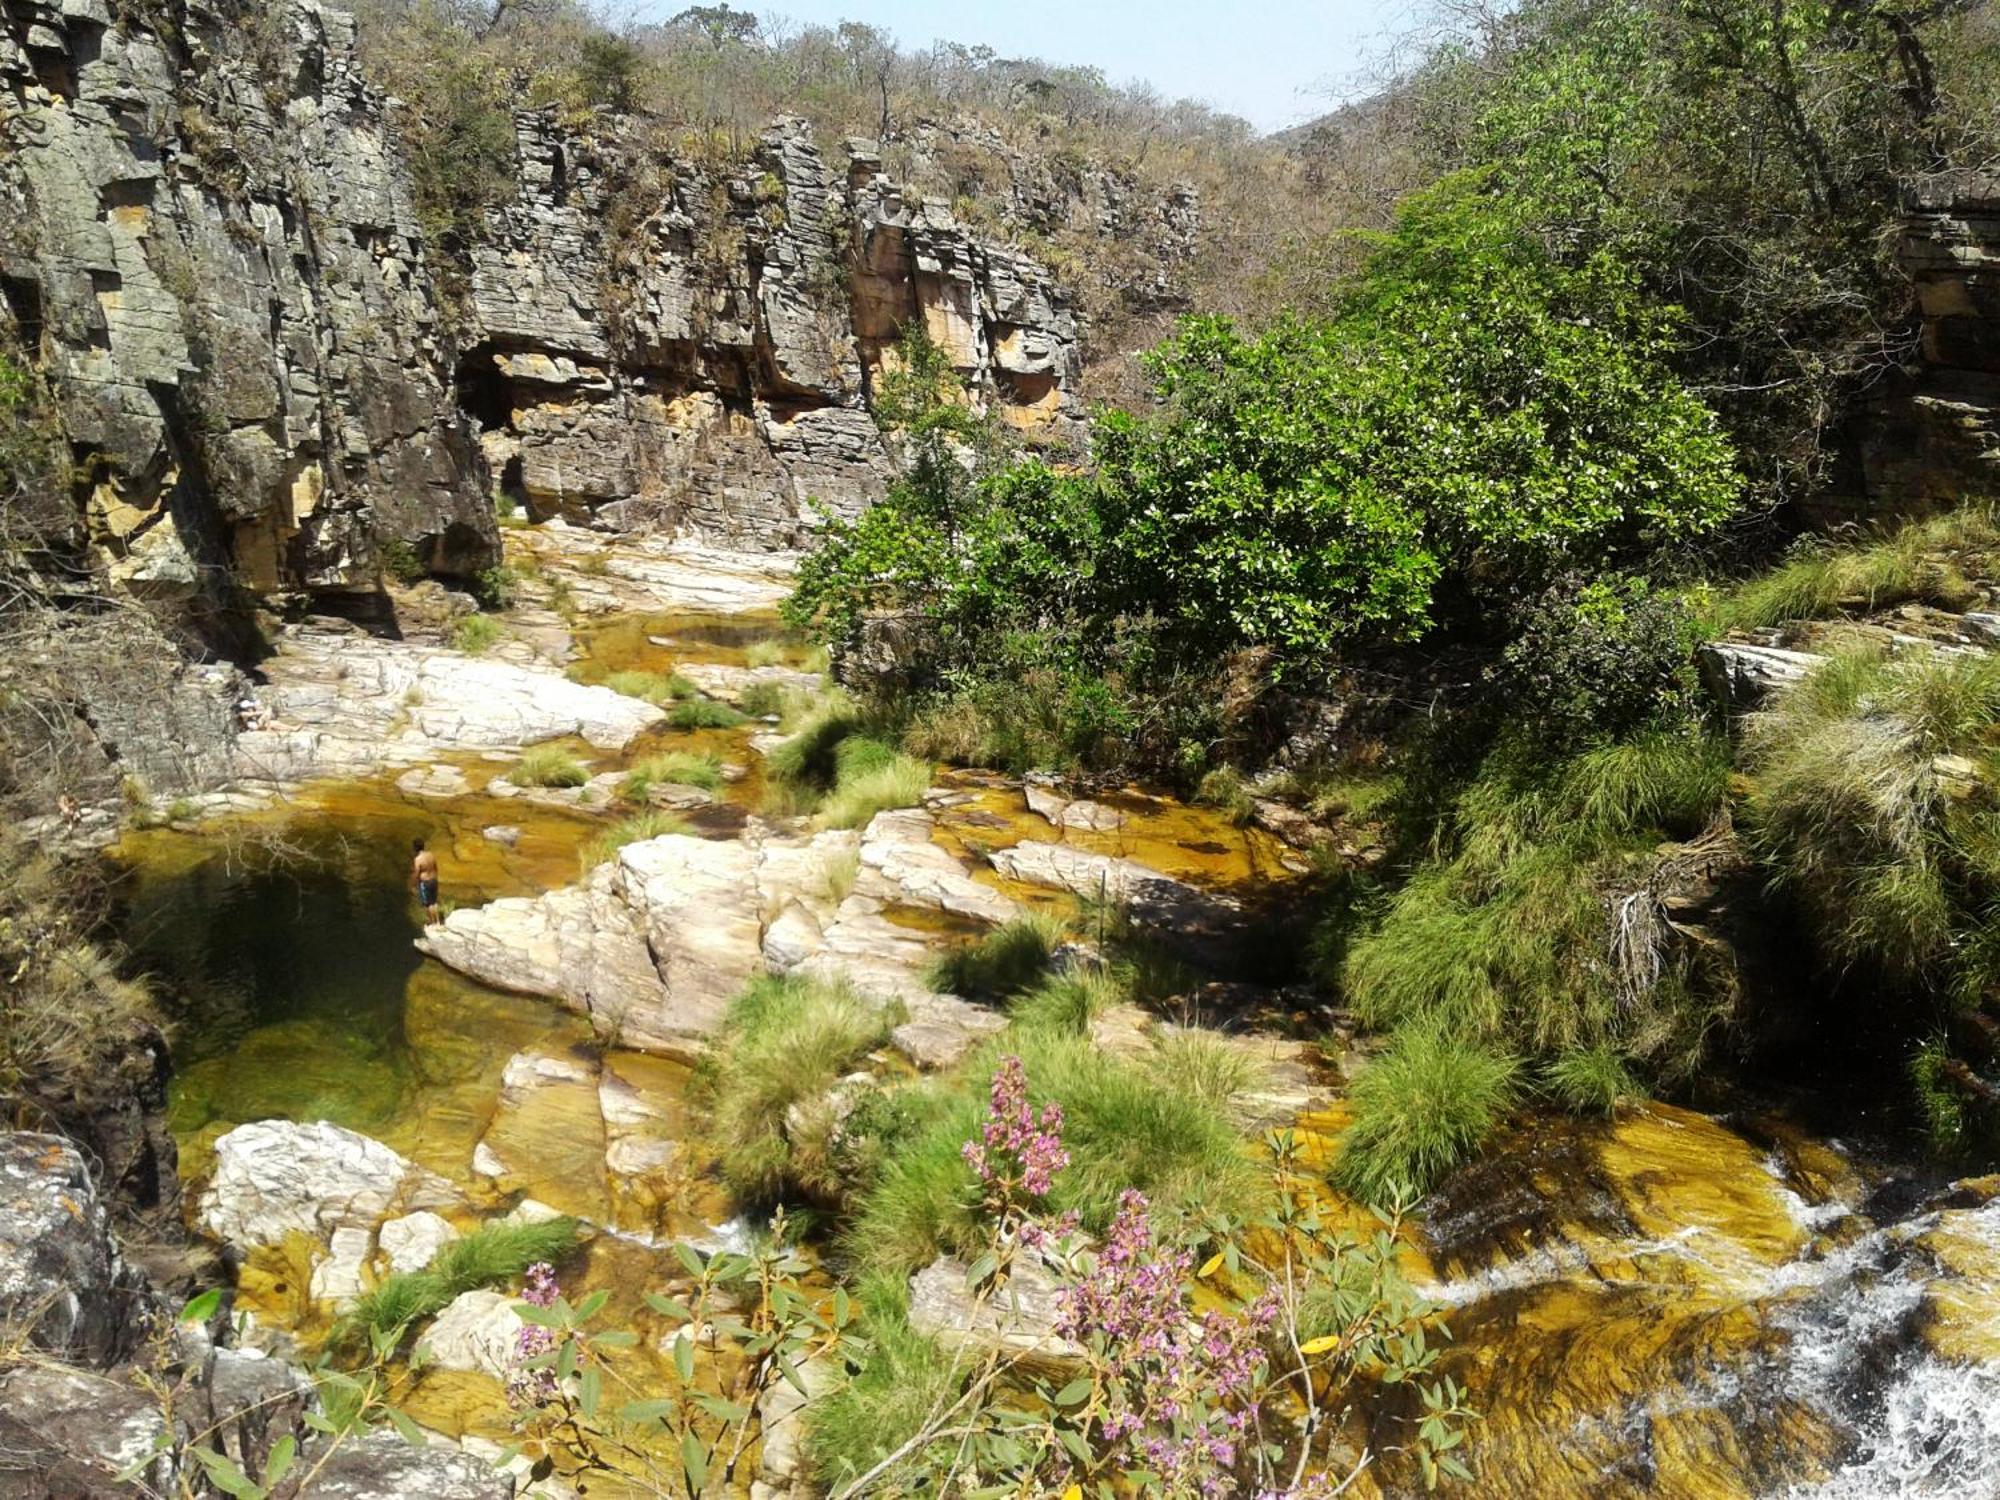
pixel 1608 353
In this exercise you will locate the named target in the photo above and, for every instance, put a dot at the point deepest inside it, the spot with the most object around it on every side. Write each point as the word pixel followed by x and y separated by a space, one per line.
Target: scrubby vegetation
pixel 833 764
pixel 786 1043
pixel 475 635
pixel 703 713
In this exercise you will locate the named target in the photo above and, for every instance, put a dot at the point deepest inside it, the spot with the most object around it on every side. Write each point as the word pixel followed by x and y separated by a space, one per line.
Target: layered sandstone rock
pixel 219 265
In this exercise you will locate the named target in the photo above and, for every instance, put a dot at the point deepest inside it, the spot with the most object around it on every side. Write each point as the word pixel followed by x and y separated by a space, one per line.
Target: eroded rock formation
pixel 211 242
pixel 1932 436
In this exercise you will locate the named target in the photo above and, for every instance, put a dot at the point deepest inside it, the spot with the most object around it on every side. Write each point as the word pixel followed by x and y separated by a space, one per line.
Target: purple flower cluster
pixel 1017 1151
pixel 533 1387
pixel 1183 1394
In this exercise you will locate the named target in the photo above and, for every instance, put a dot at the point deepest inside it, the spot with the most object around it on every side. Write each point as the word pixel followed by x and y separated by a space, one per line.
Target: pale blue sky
pixel 1274 62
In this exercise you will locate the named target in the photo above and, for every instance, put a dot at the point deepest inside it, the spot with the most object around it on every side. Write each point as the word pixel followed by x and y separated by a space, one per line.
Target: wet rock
pixel 67 1434
pixel 434 781
pixel 901 863
pixel 1063 811
pixel 479 1332
pixel 382 1466
pixel 275 1177
pixel 1150 897
pixel 1017 1319
pixel 61 1275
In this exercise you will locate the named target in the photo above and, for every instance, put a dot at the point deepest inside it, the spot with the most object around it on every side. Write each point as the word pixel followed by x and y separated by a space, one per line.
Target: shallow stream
pixel 1669 1304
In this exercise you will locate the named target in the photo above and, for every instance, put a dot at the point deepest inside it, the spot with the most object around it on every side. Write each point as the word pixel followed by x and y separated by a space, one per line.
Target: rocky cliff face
pixel 210 242
pixel 206 238
pixel 709 365
pixel 1933 437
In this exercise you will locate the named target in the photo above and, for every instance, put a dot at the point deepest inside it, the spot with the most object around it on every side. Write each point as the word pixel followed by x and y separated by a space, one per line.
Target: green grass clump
pixel 703 713
pixel 1862 809
pixel 1069 1001
pixel 653 687
pixel 1590 1080
pixel 1503 939
pixel 486 1257
pixel 676 768
pixel 633 830
pixel 1926 561
pixel 1002 962
pixel 1205 1067
pixel 1124 1126
pixel 1225 790
pixel 476 634
pixel 809 756
pixel 764 700
pixel 786 1042
pixel 904 1378
pixel 900 782
pixel 833 765
pixel 1420 1108
pixel 765 653
pixel 547 765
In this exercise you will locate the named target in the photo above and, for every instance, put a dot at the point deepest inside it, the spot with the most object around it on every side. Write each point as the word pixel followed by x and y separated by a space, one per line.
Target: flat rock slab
pixel 381 1466
pixel 730 683
pixel 1151 897
pixel 658 574
pixel 1740 676
pixel 343 703
pixel 275 1177
pixel 655 944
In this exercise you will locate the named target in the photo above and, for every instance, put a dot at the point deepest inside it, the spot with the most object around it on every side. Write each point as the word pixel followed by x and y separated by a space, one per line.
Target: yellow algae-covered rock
pixel 1621 1301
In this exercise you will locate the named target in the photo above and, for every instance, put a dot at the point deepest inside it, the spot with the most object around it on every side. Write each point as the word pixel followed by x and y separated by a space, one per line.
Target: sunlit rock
pixel 276 1177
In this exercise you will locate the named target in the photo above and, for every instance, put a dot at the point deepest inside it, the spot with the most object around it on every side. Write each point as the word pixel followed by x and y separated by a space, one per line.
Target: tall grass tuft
pixel 546 765
pixel 486 1257
pixel 1002 962
pixel 1862 807
pixel 905 1380
pixel 785 1044
pixel 1926 561
pixel 675 768
pixel 703 713
pixel 1069 1001
pixel 1419 1108
pixel 653 687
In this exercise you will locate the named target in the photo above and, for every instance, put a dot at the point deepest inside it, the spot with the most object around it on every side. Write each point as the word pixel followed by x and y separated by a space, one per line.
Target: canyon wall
pixel 211 245
pixel 1930 435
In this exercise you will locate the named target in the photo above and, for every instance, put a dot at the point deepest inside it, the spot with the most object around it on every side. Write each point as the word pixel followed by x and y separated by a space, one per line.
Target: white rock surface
pixel 1018 1318
pixel 413 1241
pixel 346 703
pixel 341 1276
pixel 273 1177
pixel 478 1332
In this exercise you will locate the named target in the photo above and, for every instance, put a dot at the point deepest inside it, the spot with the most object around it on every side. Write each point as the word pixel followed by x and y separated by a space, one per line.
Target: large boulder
pixel 381 1466
pixel 276 1177
pixel 67 1434
pixel 61 1276
pixel 479 1331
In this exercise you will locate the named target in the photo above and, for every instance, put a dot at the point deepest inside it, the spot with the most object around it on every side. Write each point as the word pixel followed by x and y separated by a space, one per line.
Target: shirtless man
pixel 424 874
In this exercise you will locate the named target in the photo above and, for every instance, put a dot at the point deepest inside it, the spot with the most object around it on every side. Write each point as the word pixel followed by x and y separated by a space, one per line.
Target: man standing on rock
pixel 424 872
